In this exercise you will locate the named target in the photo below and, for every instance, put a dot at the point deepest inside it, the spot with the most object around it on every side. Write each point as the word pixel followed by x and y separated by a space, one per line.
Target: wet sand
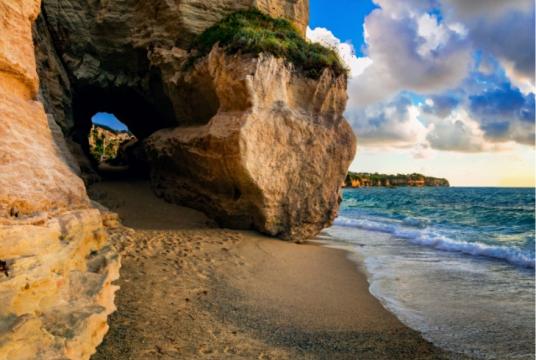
pixel 190 290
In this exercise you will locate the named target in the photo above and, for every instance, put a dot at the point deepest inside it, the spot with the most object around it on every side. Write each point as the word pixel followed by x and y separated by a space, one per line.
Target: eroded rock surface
pixel 274 155
pixel 95 55
pixel 253 143
pixel 56 270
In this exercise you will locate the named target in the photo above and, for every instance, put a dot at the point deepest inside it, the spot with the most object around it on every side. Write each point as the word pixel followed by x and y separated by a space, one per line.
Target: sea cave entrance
pixel 110 125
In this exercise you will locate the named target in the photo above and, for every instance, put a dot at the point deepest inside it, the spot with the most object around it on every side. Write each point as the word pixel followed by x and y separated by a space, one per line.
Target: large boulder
pixel 274 155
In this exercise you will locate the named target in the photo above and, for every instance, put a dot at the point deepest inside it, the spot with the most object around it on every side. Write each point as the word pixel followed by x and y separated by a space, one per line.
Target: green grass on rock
pixel 253 32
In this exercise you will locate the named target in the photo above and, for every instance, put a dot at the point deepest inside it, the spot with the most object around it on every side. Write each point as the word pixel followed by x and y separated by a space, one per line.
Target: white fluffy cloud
pixel 456 132
pixel 413 52
pixel 346 51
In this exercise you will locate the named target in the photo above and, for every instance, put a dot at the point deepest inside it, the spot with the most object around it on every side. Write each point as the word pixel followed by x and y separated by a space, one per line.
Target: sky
pixel 441 87
pixel 110 120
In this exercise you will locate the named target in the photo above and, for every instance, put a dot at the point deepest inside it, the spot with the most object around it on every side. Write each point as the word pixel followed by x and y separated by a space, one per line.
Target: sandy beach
pixel 191 290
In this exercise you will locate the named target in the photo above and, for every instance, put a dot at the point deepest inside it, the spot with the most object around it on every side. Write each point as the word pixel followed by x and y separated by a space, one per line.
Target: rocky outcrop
pixel 57 291
pixel 251 135
pixel 93 56
pixel 250 140
pixel 271 158
pixel 56 270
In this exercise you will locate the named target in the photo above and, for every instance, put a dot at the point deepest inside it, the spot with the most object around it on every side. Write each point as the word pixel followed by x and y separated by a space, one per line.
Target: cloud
pixel 412 52
pixel 405 8
pixel 346 51
pixel 504 29
pixel 399 123
pixel 511 39
pixel 442 105
pixel 505 114
pixel 394 123
pixel 469 9
pixel 456 132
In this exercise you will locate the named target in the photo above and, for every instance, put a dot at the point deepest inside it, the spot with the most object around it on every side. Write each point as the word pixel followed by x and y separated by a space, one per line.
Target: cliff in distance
pixel 355 180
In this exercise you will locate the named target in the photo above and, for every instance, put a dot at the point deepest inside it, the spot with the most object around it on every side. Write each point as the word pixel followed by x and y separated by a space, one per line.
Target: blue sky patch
pixel 110 120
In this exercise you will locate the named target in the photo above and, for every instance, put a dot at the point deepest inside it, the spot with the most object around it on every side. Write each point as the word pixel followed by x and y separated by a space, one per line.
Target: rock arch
pixel 248 140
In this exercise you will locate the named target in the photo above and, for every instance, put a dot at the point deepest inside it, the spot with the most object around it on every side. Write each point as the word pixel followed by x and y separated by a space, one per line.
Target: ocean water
pixel 457 264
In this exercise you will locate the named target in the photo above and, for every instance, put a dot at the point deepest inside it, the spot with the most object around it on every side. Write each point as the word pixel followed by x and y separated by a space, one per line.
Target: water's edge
pixel 413 304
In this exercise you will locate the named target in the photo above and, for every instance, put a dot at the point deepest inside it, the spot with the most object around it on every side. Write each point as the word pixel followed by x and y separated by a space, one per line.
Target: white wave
pixel 365 224
pixel 427 237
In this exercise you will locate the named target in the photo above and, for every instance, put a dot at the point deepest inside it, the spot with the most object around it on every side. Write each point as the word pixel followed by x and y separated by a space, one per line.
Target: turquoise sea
pixel 456 264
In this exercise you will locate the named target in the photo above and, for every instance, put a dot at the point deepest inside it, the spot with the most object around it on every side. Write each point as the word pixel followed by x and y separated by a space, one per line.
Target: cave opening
pixel 110 124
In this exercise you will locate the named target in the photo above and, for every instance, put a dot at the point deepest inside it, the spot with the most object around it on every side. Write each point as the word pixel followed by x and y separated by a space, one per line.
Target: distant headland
pixel 355 180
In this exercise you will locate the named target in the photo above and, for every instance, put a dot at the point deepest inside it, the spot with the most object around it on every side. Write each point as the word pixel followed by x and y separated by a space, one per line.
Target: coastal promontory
pixel 356 180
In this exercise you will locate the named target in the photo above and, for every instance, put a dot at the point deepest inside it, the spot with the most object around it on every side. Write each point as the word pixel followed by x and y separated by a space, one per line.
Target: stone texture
pixel 58 293
pixel 34 174
pixel 254 144
pixel 103 47
pixel 273 157
pixel 56 281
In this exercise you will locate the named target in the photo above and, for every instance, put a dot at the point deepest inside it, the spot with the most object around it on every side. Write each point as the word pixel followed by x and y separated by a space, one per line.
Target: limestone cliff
pixel 254 143
pixel 56 268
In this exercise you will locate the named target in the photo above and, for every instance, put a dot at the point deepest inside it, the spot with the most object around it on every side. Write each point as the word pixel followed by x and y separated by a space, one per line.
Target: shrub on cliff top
pixel 253 32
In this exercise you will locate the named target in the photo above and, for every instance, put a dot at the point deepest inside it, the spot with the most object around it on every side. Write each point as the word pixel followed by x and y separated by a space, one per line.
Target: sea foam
pixel 426 236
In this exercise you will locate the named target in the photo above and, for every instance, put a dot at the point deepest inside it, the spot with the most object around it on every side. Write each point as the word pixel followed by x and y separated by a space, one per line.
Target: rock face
pixel 274 155
pixel 95 55
pixel 249 141
pixel 105 143
pixel 55 268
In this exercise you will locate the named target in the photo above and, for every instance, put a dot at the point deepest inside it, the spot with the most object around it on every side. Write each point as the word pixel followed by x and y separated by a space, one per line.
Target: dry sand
pixel 190 290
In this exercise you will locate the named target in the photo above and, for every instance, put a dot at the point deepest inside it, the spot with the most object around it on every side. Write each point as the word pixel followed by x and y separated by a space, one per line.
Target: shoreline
pixel 453 299
pixel 191 290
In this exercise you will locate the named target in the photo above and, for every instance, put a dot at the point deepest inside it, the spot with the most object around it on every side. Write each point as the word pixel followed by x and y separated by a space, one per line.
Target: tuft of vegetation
pixel 253 32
